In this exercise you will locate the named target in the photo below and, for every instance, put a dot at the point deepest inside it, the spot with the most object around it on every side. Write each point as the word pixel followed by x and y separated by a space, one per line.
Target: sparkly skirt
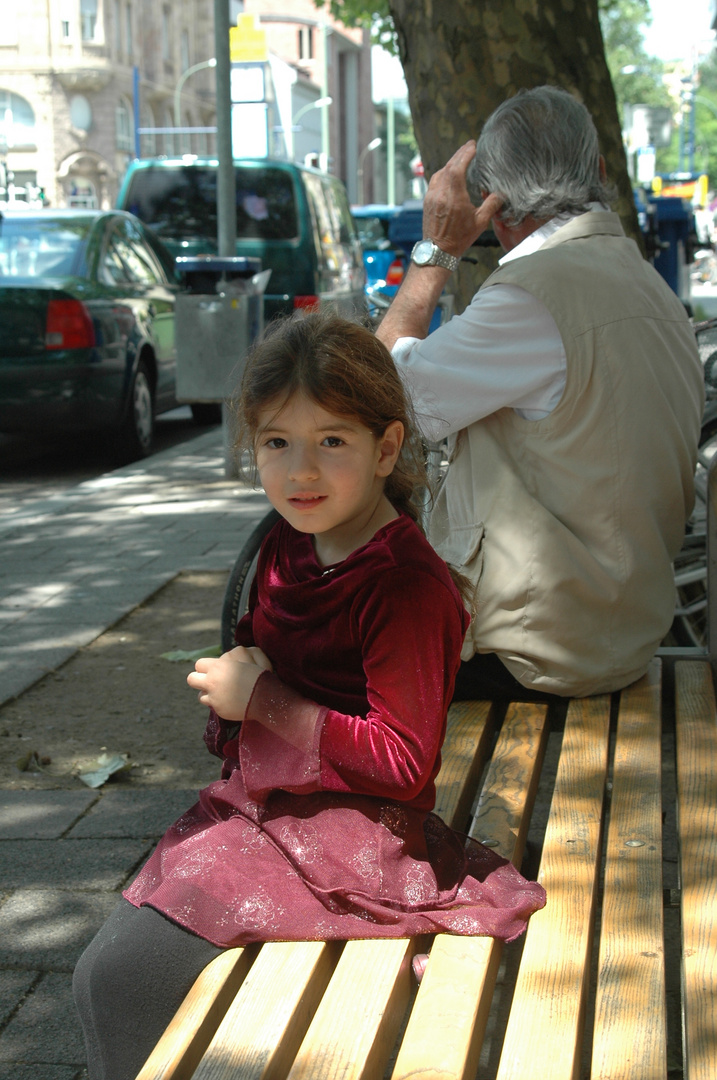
pixel 323 866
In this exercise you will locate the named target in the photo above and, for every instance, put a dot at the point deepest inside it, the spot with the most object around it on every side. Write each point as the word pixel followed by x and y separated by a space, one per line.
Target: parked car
pixel 384 262
pixel 295 219
pixel 87 303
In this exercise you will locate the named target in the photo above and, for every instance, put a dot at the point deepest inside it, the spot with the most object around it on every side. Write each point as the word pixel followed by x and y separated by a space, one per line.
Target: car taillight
pixel 68 325
pixel 311 303
pixel 395 272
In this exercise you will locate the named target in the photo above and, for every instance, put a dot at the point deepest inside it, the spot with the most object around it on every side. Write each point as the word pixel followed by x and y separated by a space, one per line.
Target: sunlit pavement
pixel 75 563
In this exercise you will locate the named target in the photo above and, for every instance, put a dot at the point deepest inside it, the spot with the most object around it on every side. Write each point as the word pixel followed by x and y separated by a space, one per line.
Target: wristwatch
pixel 426 253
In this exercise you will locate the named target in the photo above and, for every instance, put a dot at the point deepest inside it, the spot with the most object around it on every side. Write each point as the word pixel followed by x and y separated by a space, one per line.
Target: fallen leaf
pixel 191 654
pixel 108 765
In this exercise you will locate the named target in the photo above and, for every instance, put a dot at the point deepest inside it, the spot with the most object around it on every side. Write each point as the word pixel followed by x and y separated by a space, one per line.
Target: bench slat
pixel 263 1027
pixel 356 1042
pixel 179 1051
pixel 469 730
pixel 357 1023
pixel 630 1039
pixel 544 1032
pixel 445 1031
pixel 697 825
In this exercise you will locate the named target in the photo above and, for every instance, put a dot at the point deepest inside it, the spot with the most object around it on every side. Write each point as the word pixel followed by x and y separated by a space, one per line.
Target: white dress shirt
pixel 503 351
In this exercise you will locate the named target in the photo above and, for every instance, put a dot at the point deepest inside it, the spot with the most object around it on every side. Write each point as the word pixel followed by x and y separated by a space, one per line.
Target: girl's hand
pixel 225 683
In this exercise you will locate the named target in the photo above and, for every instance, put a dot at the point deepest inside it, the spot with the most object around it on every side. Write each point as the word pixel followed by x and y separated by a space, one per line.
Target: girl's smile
pixel 325 473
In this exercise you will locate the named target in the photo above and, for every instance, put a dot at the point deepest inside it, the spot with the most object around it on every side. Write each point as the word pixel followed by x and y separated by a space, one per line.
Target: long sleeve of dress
pixel 409 633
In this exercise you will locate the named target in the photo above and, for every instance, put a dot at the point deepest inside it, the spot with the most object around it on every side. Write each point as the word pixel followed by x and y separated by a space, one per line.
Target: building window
pixel 117 26
pixel 148 144
pixel 17 120
pixel 65 29
pixel 170 146
pixel 125 132
pixel 166 35
pixel 184 50
pixel 306 43
pixel 80 113
pixel 88 17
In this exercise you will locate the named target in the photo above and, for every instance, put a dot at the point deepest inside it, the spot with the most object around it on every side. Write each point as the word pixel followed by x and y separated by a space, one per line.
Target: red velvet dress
pixel 320 826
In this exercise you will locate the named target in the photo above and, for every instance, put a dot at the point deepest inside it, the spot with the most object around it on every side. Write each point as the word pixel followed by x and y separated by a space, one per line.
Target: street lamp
pixel 318 104
pixel 180 83
pixel 373 145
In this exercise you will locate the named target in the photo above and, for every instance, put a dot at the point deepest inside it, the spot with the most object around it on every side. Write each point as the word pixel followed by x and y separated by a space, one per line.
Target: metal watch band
pixel 427 253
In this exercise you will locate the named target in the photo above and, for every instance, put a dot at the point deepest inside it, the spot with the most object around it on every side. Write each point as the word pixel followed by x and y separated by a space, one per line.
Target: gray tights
pixel 128 984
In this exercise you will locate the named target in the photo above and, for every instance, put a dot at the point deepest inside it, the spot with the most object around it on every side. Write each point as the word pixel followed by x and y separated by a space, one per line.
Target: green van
pixel 295 219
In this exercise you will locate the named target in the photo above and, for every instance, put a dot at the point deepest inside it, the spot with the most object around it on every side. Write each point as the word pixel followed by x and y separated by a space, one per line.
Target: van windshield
pixel 180 202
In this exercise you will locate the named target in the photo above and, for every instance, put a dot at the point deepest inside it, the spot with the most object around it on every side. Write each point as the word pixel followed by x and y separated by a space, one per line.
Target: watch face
pixel 422 252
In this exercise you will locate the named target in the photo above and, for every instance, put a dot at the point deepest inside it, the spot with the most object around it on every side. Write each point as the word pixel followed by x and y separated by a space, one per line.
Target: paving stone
pixel 46 1030
pixel 69 864
pixel 15 1071
pixel 133 814
pixel 48 929
pixel 14 985
pixel 35 815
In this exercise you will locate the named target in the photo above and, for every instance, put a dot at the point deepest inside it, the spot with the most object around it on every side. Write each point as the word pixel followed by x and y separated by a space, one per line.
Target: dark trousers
pixel 128 984
pixel 485 678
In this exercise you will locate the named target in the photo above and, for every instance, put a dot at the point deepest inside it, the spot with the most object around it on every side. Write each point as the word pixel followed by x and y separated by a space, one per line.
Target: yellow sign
pixel 247 40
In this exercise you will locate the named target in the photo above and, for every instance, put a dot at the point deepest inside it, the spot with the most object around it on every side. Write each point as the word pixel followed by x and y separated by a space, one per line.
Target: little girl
pixel 329 714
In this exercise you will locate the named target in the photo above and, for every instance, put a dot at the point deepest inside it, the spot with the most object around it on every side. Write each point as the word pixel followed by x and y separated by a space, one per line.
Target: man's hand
pixel 449 217
pixel 225 683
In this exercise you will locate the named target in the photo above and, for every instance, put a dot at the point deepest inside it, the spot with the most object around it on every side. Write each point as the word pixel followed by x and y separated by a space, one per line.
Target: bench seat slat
pixel 697 825
pixel 357 1023
pixel 544 1032
pixel 180 1049
pixel 264 1025
pixel 355 1043
pixel 630 1038
pixel 445 1031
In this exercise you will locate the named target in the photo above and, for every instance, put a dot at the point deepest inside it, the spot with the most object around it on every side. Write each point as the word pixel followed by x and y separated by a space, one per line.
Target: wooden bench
pixel 612 801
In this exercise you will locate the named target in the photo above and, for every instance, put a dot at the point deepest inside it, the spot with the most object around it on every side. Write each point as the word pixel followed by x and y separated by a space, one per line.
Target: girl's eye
pixel 333 440
pixel 276 444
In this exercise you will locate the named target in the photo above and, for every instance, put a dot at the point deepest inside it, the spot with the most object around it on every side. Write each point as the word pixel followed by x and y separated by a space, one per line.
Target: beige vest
pixel 567 526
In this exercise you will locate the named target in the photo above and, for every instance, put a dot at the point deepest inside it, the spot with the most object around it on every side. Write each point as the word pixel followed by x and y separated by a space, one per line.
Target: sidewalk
pixel 72 566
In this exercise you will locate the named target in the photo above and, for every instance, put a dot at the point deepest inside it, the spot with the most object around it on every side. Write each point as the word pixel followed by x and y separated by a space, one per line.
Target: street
pixel 32 468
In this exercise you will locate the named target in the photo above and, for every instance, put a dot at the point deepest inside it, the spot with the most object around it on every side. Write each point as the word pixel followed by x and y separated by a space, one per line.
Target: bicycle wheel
pixel 236 597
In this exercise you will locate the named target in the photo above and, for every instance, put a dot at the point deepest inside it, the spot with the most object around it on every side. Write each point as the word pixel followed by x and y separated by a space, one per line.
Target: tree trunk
pixel 462 58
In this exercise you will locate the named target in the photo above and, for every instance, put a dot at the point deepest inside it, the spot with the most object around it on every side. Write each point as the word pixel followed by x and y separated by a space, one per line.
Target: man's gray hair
pixel 539 150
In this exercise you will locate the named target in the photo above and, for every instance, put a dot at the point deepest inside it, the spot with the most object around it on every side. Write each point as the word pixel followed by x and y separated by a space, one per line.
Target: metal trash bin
pixel 217 319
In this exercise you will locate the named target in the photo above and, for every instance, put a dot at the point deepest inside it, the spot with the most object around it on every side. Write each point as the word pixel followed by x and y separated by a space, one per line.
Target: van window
pixel 333 219
pixel 180 202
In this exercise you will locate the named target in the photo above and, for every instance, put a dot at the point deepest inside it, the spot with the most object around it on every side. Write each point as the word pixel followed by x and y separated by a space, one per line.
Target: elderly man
pixel 571 394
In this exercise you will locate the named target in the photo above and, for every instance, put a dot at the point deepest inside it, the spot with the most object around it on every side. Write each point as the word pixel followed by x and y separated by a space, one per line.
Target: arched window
pixel 17 120
pixel 124 125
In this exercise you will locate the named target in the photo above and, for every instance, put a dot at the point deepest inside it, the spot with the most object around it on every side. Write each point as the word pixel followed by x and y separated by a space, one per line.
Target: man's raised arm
pixel 453 223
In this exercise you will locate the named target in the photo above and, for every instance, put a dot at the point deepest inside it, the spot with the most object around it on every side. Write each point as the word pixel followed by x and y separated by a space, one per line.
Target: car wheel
pixel 137 431
pixel 206 413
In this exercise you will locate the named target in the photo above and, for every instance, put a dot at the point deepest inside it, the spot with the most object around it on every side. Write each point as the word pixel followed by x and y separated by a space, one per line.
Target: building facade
pixel 87 85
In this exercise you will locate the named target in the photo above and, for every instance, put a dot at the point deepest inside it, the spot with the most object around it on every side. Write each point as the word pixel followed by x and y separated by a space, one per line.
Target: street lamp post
pixel 180 83
pixel 320 103
pixel 373 145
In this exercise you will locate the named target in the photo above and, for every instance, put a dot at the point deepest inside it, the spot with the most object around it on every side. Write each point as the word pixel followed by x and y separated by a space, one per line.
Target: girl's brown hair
pixel 346 370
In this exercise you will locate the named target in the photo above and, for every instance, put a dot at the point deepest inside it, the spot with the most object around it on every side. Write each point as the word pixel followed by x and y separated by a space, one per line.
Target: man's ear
pixel 389 445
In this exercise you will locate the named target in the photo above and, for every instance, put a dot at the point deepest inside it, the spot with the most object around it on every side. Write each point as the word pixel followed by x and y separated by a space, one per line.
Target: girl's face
pixel 325 473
